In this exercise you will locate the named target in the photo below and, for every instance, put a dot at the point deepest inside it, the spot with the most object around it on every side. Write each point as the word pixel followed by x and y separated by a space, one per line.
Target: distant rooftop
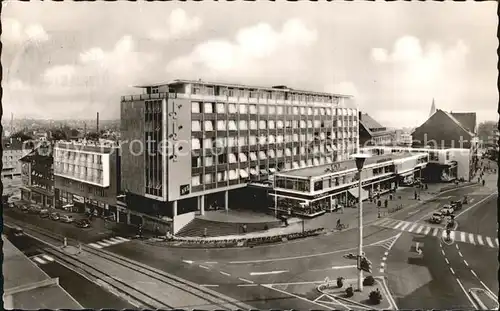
pixel 29 286
pixel 344 165
pixel 231 85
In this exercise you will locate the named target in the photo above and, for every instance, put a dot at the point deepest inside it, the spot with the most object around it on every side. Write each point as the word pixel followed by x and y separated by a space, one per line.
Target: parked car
pixel 447 210
pixel 24 208
pixel 44 213
pixel 82 223
pixel 16 232
pixel 66 218
pixel 436 218
pixel 34 209
pixel 457 205
pixel 55 216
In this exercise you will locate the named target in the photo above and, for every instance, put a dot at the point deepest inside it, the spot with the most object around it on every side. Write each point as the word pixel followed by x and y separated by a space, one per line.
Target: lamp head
pixel 360 159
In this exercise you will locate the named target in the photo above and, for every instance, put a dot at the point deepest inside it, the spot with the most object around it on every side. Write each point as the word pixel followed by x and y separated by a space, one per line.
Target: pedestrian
pixel 390 196
pixel 244 228
pixel 386 203
pixel 483 182
pixel 415 195
pixel 204 232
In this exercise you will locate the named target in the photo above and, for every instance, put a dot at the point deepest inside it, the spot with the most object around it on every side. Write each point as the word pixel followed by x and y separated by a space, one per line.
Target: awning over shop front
pixel 243 174
pixel 272 170
pixel 406 173
pixel 354 192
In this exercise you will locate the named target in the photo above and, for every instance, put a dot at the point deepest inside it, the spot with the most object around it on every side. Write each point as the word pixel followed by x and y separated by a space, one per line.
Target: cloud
pixel 177 25
pixel 256 51
pixel 14 32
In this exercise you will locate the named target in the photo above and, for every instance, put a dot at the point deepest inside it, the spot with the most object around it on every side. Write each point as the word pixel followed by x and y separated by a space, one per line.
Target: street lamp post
pixel 360 161
pixel 275 198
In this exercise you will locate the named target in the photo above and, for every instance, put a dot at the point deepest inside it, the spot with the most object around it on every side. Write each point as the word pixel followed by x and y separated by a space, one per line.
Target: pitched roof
pixel 450 115
pixel 467 119
pixel 370 123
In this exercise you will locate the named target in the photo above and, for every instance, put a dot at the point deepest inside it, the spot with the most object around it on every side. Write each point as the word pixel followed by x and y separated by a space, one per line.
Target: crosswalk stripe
pixel 95 245
pixel 488 240
pixel 427 230
pixel 462 236
pixel 392 223
pixel 398 225
pixel 420 229
pixel 496 240
pixel 122 239
pixel 103 244
pixel 108 241
pixel 443 234
pixel 412 228
pixel 384 222
pixel 480 239
pixel 435 232
pixel 405 225
pixel 116 240
pixel 452 235
pixel 48 257
pixel 471 239
pixel 39 260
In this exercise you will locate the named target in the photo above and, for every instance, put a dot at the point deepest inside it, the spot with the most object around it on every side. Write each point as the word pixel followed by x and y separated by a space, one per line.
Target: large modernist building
pixel 217 138
pixel 87 177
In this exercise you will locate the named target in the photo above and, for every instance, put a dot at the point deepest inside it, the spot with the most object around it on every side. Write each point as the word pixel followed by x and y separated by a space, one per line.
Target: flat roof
pixel 19 271
pixel 314 171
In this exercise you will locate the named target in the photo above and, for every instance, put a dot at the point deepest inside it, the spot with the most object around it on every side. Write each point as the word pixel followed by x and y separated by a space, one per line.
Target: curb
pixel 477 300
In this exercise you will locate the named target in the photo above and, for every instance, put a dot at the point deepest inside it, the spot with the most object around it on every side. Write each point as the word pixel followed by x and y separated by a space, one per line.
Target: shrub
pixel 340 282
pixel 369 281
pixel 349 292
pixel 375 297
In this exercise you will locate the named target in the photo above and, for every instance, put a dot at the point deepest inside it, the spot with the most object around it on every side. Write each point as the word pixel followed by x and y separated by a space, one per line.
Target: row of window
pixel 223 108
pixel 252 140
pixel 64 156
pixel 82 187
pixel 232 125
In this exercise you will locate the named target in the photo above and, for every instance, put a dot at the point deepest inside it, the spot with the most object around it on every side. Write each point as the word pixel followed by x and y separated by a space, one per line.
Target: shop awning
pixel 253 172
pixel 406 173
pixel 354 192
pixel 272 170
pixel 243 174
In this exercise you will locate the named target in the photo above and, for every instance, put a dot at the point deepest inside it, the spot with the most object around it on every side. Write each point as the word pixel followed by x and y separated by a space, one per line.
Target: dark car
pixel 82 223
pixel 24 208
pixel 16 232
pixel 34 210
pixel 55 216
pixel 457 205
pixel 44 213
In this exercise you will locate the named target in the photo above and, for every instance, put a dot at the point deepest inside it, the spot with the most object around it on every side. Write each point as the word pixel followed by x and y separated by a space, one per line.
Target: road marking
pixel 412 227
pixel 442 251
pixel 188 261
pixel 298 297
pixel 39 260
pixel 48 257
pixel 224 273
pixel 496 240
pixel 443 234
pixel 490 243
pixel 204 267
pixel 382 264
pixel 110 242
pixel 247 285
pixel 245 280
pixel 427 230
pixel 210 262
pixel 473 272
pixel 452 235
pixel 447 262
pixel 471 239
pixel 386 253
pixel 103 244
pixel 420 229
pixel 466 294
pixel 122 239
pixel 435 232
pixel 453 272
pixel 466 263
pixel 205 285
pixel 381 270
pixel 406 225
pixel 398 225
pixel 456 246
pixel 384 258
pixel 95 245
pixel 117 240
pixel 460 253
pixel 456 216
pixel 462 236
pixel 480 239
pixel 270 272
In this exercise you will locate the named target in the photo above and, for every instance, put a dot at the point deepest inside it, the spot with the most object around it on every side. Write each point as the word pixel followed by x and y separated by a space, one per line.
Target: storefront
pixel 25 194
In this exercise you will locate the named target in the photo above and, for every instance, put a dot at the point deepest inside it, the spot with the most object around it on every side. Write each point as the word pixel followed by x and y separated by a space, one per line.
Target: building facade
pixel 12 152
pixel 87 177
pixel 37 176
pixel 218 138
pixel 372 133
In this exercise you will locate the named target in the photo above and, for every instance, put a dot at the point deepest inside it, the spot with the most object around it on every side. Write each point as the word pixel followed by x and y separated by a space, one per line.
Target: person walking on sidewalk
pixel 386 203
pixel 483 182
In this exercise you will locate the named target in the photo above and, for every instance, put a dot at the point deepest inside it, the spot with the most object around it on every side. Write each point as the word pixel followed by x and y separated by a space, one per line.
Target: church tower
pixel 433 108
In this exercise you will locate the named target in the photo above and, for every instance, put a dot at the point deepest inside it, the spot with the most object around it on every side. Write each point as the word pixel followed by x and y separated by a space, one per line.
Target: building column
pixel 201 203
pixel 331 203
pixel 128 218
pixel 174 208
pixel 226 200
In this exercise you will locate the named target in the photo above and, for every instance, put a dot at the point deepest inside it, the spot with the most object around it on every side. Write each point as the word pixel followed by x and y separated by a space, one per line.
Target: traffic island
pixel 484 299
pixel 360 300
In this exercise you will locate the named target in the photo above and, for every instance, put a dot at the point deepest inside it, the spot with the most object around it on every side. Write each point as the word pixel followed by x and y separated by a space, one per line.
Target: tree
pixel 21 136
pixel 59 134
pixel 486 129
pixel 92 136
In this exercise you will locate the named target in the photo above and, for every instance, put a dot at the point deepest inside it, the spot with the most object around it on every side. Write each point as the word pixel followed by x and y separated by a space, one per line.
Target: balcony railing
pixel 148 96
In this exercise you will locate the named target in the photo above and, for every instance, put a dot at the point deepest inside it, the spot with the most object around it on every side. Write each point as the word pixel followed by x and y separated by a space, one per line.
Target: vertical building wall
pixel 462 157
pixel 132 147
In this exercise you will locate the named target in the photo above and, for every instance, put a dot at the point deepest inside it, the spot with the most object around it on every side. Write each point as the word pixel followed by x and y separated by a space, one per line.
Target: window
pixel 316 112
pixel 222 159
pixel 209 161
pixel 328 111
pixel 253 156
pixel 279 124
pixel 207 143
pixel 252 140
pixel 271 139
pixel 271 154
pixel 262 124
pixel 279 139
pixel 262 140
pixel 231 142
pixel 242 141
pixel 232 108
pixel 309 123
pixel 252 109
pixel 322 111
pixel 242 157
pixel 302 124
pixel 243 125
pixel 317 123
pixel 196 180
pixel 243 108
pixel 270 124
pixel 233 175
pixel 221 125
pixel 272 109
pixel 232 125
pixel 262 109
pixel 232 158
pixel 195 144
pixel 221 108
pixel 209 125
pixel 220 142
pixel 302 110
pixel 295 137
pixel 262 155
pixel 295 124
pixel 195 107
pixel 208 178
pixel 279 110
pixel 309 111
pixel 253 124
pixel 288 152
pixel 208 108
pixel 279 153
pixel 295 110
pixel 221 176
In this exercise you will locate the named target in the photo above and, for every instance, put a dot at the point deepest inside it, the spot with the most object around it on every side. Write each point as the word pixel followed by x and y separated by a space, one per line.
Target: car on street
pixel 17 232
pixel 436 218
pixel 66 218
pixel 456 205
pixel 44 213
pixel 24 208
pixel 82 223
pixel 35 209
pixel 55 216
pixel 447 210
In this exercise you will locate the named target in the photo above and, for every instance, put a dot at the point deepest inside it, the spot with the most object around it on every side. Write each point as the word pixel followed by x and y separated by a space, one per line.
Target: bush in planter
pixel 369 281
pixel 349 292
pixel 340 282
pixel 375 297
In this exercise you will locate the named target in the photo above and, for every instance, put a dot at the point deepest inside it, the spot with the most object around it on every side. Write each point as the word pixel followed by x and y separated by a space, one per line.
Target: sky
pixel 72 59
